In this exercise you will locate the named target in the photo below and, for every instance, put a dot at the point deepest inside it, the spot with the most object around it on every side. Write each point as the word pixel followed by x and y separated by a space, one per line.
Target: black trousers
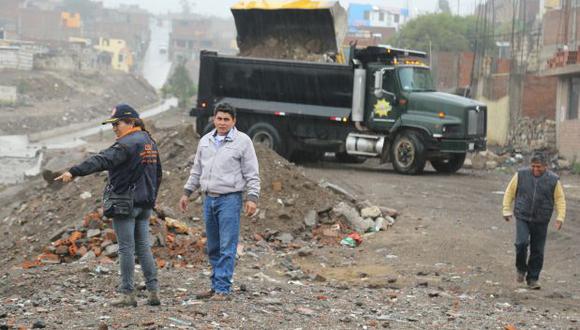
pixel 530 234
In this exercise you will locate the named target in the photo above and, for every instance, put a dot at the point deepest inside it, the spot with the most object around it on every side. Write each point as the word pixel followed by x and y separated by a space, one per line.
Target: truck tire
pixel 451 165
pixel 343 157
pixel 268 136
pixel 408 153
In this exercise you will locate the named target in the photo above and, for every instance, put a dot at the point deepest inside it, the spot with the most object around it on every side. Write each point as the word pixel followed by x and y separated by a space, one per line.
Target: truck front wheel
pixel 451 165
pixel 267 135
pixel 408 153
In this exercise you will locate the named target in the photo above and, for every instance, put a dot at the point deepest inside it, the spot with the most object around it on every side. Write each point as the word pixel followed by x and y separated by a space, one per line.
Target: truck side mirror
pixel 379 91
pixel 379 83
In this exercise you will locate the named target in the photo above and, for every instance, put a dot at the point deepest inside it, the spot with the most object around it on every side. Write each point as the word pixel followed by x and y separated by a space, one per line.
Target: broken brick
pixel 109 234
pixel 49 258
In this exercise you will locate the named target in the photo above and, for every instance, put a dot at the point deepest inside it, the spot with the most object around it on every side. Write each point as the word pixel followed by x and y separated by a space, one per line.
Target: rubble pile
pixel 174 243
pixel 290 204
pixel 534 134
pixel 488 160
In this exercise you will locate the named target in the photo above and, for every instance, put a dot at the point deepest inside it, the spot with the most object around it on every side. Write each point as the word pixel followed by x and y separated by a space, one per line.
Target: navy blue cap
pixel 121 111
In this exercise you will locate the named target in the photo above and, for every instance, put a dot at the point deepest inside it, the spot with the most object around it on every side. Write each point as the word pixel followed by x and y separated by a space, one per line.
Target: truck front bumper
pixel 461 146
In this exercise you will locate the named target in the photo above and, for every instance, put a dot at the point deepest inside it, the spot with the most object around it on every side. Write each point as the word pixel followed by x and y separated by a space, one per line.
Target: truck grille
pixel 476 122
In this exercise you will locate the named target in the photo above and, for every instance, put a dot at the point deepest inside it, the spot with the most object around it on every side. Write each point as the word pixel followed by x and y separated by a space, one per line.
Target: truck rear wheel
pixel 451 165
pixel 408 153
pixel 267 135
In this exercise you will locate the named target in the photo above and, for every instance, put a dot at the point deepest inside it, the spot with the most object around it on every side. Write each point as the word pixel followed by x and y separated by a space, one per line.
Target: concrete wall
pixel 16 58
pixel 497 120
pixel 8 94
pixel 568 131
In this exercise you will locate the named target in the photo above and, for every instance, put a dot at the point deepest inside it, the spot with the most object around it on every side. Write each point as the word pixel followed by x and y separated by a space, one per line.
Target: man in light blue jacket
pixel 225 166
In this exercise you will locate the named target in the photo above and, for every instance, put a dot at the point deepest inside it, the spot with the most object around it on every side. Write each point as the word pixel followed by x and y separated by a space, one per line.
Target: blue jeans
pixel 222 227
pixel 133 238
pixel 532 234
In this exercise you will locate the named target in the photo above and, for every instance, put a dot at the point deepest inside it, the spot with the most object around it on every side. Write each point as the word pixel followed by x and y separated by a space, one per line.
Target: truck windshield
pixel 416 79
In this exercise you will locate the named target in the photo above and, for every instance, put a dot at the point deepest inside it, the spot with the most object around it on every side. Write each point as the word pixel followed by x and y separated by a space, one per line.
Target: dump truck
pixel 380 102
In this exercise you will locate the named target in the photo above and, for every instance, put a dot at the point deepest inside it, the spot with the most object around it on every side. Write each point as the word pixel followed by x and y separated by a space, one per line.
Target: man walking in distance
pixel 225 165
pixel 536 191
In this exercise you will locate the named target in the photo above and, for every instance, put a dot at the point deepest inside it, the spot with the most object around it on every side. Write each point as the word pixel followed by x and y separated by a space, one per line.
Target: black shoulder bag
pixel 115 204
pixel 118 204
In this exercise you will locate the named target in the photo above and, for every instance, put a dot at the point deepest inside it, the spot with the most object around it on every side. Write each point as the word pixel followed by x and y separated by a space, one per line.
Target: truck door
pixel 383 109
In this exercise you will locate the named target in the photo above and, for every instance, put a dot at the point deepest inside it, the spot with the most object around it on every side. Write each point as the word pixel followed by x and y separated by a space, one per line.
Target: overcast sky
pixel 221 7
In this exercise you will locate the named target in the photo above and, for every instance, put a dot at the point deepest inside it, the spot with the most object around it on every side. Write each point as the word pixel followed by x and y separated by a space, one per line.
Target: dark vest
pixel 535 196
pixel 141 168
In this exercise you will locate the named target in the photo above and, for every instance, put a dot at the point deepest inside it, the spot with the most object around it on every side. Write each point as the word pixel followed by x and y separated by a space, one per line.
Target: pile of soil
pixel 52 208
pixel 281 47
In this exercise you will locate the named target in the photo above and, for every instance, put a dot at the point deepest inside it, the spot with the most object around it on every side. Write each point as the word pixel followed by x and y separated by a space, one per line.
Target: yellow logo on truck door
pixel 382 108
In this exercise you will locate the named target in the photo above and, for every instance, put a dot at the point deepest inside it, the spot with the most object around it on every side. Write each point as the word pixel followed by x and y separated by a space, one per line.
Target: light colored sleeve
pixel 510 195
pixel 560 202
pixel 192 183
pixel 251 172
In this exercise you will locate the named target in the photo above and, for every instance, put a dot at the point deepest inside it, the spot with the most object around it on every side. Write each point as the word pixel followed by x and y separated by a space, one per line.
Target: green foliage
pixel 575 168
pixel 445 32
pixel 23 87
pixel 180 85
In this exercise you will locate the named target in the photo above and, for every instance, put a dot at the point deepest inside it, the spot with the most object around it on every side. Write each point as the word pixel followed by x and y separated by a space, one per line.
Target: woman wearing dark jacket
pixel 133 164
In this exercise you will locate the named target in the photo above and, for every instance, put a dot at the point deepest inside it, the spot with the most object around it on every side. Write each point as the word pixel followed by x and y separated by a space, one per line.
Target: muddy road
pixel 452 224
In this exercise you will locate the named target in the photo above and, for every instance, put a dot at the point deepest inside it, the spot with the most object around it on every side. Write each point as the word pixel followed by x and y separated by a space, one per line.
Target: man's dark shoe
pixel 534 285
pixel 221 297
pixel 521 277
pixel 125 300
pixel 205 294
pixel 153 299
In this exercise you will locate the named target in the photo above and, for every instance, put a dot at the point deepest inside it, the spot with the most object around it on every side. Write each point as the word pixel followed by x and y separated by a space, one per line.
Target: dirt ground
pixel 447 263
pixel 50 99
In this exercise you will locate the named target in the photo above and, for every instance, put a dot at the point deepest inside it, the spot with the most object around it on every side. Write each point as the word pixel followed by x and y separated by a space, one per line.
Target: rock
pixel 102 270
pixel 62 250
pixel 285 238
pixel 89 256
pixel 311 218
pixel 386 211
pixel 109 234
pixel 491 165
pixel 93 233
pixel 353 218
pixel 317 278
pixel 364 204
pixel 112 250
pixel 390 221
pixel 283 215
pixel 305 252
pixel 337 189
pixel 563 164
pixel 371 212
pixel 379 224
pixel 305 311
pixel 39 324
pixel 86 195
pixel 271 301
pixel 468 164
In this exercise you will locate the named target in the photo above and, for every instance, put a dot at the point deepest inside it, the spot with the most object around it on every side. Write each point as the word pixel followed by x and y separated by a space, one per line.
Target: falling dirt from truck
pixel 296 30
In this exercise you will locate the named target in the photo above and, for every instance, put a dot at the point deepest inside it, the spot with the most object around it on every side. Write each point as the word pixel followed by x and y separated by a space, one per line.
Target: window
pixel 121 58
pixel 381 16
pixel 574 96
pixel 396 18
pixel 367 15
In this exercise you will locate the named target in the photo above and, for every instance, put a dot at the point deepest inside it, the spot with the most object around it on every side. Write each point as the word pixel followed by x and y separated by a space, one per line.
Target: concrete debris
pixel 371 212
pixel 311 218
pixel 353 218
